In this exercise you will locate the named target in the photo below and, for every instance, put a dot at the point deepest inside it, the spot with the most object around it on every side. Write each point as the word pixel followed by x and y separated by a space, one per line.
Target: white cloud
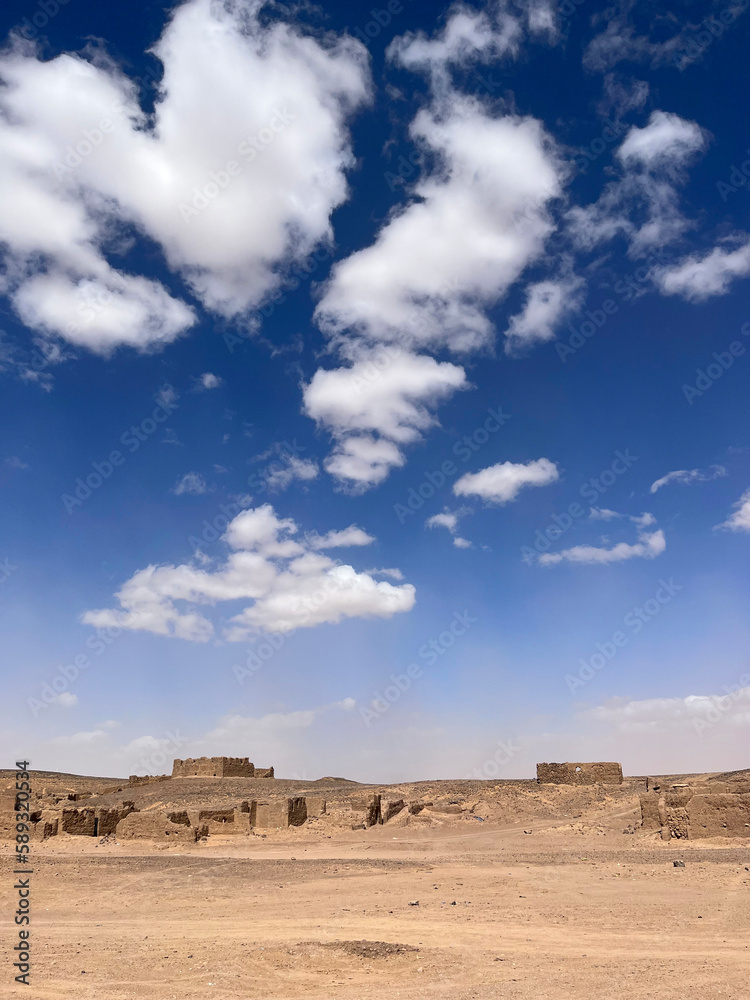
pixel 649 546
pixel 660 715
pixel 739 520
pixel 340 539
pixel 547 303
pixel 643 204
pixel 281 474
pixel 687 476
pixel 67 699
pixel 700 277
pixel 619 41
pixel 603 514
pixel 395 405
pixel 167 396
pixel 290 584
pixel 449 519
pixel 101 311
pixel 440 263
pixel 503 482
pixel 471 36
pixel 666 141
pixel 191 482
pixel 475 220
pixel 209 381
pixel 234 176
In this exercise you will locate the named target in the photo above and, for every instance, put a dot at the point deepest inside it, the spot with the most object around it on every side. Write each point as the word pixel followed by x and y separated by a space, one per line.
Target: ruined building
pixel 218 767
pixel 599 772
pixel 686 812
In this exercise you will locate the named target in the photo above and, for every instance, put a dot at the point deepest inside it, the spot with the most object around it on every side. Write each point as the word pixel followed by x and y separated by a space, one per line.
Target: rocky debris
pixel 370 949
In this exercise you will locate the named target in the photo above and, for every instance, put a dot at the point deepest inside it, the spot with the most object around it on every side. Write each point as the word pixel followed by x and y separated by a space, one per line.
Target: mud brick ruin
pixel 600 772
pixel 685 812
pixel 235 801
pixel 218 767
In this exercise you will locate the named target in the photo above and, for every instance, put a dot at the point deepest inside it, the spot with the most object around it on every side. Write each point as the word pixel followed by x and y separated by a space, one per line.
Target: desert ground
pixel 495 890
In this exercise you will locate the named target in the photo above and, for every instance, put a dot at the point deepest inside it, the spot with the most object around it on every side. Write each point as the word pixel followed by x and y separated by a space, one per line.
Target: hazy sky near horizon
pixel 374 386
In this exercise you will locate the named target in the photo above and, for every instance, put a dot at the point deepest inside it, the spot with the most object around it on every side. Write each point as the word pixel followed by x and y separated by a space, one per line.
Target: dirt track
pixel 553 914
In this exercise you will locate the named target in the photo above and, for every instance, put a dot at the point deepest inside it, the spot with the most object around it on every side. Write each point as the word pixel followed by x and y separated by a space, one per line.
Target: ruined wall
pixel 692 812
pixel 154 825
pixel 264 772
pixel 575 773
pixel 213 767
pixel 280 813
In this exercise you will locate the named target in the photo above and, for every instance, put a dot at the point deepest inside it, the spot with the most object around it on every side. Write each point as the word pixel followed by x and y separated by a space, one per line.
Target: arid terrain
pixel 496 889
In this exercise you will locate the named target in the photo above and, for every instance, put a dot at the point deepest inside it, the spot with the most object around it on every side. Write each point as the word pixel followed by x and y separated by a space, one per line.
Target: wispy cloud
pixel 686 476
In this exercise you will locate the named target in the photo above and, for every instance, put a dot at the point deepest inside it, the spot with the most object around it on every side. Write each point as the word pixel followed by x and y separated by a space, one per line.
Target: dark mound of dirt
pixel 370 949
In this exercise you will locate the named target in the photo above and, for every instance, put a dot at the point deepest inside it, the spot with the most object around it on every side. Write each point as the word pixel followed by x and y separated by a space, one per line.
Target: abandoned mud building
pixel 211 796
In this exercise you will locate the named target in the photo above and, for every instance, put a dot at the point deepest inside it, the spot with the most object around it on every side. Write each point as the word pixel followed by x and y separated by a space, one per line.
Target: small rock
pixel 413 902
pixel 678 864
pixel 528 831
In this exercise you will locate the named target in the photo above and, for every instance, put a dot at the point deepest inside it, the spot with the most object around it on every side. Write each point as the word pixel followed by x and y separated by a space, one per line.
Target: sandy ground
pixel 469 913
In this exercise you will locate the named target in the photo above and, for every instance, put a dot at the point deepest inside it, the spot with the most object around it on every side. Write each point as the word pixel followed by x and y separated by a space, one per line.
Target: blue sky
pixel 374 386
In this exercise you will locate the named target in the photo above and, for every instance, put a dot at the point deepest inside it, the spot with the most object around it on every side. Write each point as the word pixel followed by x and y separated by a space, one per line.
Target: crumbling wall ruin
pixel 213 767
pixel 592 773
pixel 689 812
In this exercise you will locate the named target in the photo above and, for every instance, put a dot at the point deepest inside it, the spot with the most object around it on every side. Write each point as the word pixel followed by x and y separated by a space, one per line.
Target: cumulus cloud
pixel 739 519
pixel 666 141
pixel 191 482
pixel 234 175
pixel 687 476
pixel 547 303
pixel 372 416
pixel 290 583
pixel 503 482
pixel 475 219
pixel 701 276
pixel 67 699
pixel 649 546
pixel 439 264
pixel 449 519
